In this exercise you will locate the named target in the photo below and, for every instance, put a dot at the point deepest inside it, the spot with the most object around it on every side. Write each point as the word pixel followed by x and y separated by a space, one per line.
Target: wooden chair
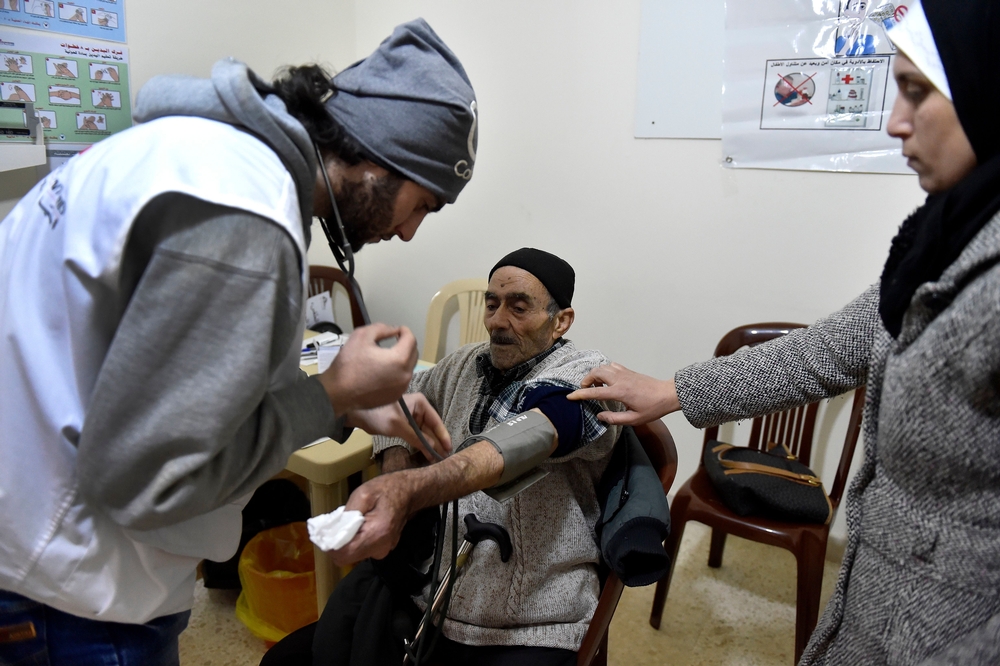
pixel 659 446
pixel 471 308
pixel 325 278
pixel 697 499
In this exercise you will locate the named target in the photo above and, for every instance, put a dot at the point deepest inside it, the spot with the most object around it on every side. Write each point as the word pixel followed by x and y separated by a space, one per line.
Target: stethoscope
pixel 430 624
pixel 344 255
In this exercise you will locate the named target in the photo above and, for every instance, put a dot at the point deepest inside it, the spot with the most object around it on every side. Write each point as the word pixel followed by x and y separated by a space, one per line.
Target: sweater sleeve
pixel 183 417
pixel 566 416
pixel 826 359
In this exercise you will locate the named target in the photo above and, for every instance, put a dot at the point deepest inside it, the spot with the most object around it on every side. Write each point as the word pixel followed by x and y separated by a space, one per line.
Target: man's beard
pixel 367 211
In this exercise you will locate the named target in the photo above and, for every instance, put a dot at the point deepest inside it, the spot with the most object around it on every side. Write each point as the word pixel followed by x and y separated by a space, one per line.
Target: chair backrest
pixel 658 444
pixel 324 278
pixel 470 294
pixel 850 443
pixel 792 428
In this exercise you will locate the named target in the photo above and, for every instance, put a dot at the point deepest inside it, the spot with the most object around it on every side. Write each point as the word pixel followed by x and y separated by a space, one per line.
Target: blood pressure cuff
pixel 523 441
pixel 635 517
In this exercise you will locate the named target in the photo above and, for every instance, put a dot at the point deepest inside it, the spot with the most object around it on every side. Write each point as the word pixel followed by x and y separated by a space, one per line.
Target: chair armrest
pixel 599 624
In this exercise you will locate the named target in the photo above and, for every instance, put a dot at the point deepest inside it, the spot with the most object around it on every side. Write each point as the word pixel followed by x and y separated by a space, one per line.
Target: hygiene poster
pixel 79 88
pixel 96 19
pixel 808 85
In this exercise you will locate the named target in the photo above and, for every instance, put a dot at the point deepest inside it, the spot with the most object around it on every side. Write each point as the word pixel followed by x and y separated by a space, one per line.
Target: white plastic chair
pixel 470 294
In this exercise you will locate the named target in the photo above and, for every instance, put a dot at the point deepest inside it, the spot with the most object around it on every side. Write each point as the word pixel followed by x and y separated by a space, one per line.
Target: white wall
pixel 671 249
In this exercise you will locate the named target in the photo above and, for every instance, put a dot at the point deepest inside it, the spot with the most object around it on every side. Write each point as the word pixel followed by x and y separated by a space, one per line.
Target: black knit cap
pixel 554 273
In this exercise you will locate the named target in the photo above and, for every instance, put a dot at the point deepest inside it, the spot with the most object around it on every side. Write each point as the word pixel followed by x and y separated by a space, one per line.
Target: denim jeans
pixel 33 634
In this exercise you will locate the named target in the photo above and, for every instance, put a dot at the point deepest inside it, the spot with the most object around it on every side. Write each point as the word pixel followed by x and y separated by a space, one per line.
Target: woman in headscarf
pixel 920 582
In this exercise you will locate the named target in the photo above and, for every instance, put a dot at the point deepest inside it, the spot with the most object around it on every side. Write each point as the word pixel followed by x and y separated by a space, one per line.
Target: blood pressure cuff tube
pixel 523 442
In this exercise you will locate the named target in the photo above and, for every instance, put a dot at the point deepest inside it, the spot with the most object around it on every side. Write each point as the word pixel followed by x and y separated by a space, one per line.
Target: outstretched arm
pixel 826 359
pixel 387 501
pixel 645 398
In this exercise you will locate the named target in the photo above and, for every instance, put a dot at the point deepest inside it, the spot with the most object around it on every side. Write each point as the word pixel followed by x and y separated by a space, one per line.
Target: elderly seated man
pixel 536 607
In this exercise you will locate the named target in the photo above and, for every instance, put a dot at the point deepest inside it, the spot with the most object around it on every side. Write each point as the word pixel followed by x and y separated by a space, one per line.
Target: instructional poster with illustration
pixel 808 85
pixel 79 88
pixel 96 19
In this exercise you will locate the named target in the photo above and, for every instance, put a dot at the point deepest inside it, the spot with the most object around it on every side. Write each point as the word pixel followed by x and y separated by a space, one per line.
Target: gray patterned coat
pixel 920 582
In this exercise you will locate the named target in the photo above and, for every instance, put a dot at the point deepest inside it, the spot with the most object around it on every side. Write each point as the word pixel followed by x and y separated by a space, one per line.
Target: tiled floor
pixel 740 614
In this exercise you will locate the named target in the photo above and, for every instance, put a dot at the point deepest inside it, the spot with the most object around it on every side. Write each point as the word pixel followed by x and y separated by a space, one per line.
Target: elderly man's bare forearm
pixel 477 467
pixel 388 500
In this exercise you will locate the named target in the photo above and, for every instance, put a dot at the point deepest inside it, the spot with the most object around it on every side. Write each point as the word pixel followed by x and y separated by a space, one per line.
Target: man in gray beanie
pixel 154 297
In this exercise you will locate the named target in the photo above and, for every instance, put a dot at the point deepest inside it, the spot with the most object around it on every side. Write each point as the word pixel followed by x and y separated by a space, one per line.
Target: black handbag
pixel 771 484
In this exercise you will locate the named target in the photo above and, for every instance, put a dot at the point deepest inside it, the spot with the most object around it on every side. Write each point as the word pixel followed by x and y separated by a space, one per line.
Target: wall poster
pixel 80 89
pixel 96 19
pixel 808 85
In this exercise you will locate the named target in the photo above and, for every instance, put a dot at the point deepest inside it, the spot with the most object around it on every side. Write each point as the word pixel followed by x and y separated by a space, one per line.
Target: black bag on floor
pixel 770 484
pixel 277 502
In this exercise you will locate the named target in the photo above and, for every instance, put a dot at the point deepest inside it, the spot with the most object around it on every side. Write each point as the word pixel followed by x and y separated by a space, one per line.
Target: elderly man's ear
pixel 564 319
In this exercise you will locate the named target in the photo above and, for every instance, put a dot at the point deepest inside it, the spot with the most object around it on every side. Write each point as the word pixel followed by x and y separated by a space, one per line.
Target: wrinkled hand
pixel 389 420
pixel 645 398
pixel 364 375
pixel 385 503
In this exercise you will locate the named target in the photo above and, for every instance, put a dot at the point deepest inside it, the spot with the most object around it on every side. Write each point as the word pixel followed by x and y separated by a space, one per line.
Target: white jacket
pixel 60 255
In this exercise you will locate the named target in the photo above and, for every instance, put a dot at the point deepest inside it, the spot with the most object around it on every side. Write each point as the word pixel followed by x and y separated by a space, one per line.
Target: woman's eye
pixel 914 92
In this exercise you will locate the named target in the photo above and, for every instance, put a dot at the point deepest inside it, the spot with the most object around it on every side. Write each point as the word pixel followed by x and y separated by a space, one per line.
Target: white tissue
pixel 333 531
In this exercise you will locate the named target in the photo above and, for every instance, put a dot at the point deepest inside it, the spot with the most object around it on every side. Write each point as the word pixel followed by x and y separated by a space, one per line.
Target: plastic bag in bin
pixel 278 573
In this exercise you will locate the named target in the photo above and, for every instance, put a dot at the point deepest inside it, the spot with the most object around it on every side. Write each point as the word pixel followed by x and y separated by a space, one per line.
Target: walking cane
pixel 475 531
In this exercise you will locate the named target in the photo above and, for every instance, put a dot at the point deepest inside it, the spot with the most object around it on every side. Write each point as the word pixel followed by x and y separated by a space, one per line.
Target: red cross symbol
pixel 848 78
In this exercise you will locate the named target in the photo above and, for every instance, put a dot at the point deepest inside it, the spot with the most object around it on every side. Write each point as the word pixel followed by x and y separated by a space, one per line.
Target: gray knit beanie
pixel 412 107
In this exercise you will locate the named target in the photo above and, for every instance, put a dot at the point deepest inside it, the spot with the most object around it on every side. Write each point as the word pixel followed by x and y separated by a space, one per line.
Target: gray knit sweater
pixel 920 582
pixel 547 592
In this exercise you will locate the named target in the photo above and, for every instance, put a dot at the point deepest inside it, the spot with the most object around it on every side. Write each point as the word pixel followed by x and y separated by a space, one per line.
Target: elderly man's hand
pixel 385 503
pixel 389 420
pixel 645 398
